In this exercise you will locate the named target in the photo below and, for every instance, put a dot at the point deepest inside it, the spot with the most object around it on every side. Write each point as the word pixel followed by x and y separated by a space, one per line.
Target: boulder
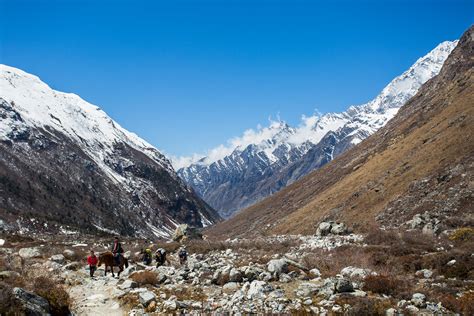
pixel 128 284
pixel 170 305
pixel 230 287
pixel 2 242
pixel 315 273
pixel 146 297
pixel 331 227
pixel 235 275
pixel 33 304
pixel 73 266
pixel 307 289
pixel 419 300
pixel 69 254
pixel 27 253
pixel 277 267
pixel 344 286
pixel 185 232
pixel 58 259
pixel 258 290
pixel 355 273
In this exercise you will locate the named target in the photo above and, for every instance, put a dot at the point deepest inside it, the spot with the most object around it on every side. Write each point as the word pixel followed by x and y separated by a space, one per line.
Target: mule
pixel 108 259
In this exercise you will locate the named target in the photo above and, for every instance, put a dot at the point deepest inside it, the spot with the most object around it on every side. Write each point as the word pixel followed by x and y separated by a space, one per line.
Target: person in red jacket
pixel 92 262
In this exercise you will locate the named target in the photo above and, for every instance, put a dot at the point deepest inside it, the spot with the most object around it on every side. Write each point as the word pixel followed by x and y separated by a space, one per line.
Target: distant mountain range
pixel 66 166
pixel 282 154
pixel 416 172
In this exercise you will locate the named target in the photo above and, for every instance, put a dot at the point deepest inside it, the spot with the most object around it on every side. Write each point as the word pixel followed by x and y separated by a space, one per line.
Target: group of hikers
pixel 147 256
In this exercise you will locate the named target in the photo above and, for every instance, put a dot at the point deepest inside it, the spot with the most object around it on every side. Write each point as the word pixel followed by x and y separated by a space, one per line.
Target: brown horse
pixel 108 259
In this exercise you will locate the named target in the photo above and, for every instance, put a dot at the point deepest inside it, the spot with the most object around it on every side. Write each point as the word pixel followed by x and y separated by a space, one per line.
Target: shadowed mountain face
pixel 66 166
pixel 415 172
pixel 284 154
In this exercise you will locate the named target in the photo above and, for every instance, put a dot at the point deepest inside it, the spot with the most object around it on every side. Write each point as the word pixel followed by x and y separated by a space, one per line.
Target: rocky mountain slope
pixel 282 154
pixel 415 172
pixel 66 165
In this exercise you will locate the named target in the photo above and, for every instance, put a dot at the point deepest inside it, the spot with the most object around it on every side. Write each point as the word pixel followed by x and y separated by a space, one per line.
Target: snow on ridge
pixel 368 117
pixel 83 122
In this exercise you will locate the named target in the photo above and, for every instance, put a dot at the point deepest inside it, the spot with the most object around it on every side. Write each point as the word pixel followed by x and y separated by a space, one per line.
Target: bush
pixel 383 284
pixel 462 234
pixel 364 306
pixel 467 303
pixel 55 294
pixel 144 277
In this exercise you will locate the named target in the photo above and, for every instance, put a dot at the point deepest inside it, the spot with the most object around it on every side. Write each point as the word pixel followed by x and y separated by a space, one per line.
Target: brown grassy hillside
pixel 421 161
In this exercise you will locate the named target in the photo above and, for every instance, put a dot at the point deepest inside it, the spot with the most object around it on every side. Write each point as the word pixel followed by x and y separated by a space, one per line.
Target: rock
pixel 265 276
pixel 252 273
pixel 324 229
pixel 391 312
pixel 307 289
pixel 235 275
pixel 285 278
pixel 451 263
pixel 419 300
pixel 258 290
pixel 358 293
pixel 2 242
pixel 73 266
pixel 27 253
pixel 344 286
pixel 185 232
pixel 355 273
pixel 128 284
pixel 146 297
pixel 9 275
pixel 425 273
pixel 79 245
pixel 58 259
pixel 230 287
pixel 339 229
pixel 33 304
pixel 127 254
pixel 315 273
pixel 170 305
pixel 277 267
pixel 69 254
pixel 412 309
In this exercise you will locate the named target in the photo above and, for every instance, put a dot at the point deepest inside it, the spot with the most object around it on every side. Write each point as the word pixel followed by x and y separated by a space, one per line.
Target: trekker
pixel 147 256
pixel 183 256
pixel 117 250
pixel 160 257
pixel 92 261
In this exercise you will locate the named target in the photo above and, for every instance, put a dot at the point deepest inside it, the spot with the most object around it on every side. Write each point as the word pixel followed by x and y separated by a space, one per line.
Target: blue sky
pixel 188 75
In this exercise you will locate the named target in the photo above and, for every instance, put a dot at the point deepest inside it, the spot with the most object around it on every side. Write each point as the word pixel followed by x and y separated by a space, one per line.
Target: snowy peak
pixel 262 161
pixel 41 107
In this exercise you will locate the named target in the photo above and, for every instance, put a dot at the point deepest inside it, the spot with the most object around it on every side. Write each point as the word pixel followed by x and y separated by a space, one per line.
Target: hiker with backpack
pixel 147 256
pixel 160 257
pixel 183 256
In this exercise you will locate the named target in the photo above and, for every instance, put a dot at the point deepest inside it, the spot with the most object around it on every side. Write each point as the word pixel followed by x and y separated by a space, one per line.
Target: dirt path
pixel 96 296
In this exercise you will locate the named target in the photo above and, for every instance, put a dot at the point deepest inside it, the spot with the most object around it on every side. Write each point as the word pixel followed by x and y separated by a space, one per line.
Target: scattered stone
pixel 128 284
pixel 74 266
pixel 69 254
pixel 27 253
pixel 412 309
pixel 315 272
pixel 391 312
pixel 258 289
pixel 344 286
pixel 355 273
pixel 32 303
pixel 425 273
pixel 230 287
pixel 170 305
pixel 2 242
pixel 58 259
pixel 277 267
pixel 419 300
pixel 331 227
pixel 235 275
pixel 146 297
pixel 451 263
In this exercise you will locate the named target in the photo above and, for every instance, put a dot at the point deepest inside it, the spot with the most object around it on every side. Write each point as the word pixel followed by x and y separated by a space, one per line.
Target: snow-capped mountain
pixel 262 162
pixel 96 173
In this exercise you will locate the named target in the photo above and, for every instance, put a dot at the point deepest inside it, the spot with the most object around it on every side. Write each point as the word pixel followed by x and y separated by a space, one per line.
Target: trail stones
pixel 146 297
pixel 277 267
pixel 32 303
pixel 27 253
pixel 58 258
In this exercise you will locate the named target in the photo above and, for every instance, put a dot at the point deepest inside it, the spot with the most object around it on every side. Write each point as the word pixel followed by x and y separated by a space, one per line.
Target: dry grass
pixel 56 295
pixel 388 285
pixel 366 306
pixel 465 234
pixel 144 277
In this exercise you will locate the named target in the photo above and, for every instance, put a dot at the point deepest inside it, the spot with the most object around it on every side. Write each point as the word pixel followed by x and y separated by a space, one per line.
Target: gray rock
pixel 27 253
pixel 391 312
pixel 235 275
pixel 146 297
pixel 277 267
pixel 285 278
pixel 324 229
pixel 185 232
pixel 128 284
pixel 344 286
pixel 58 259
pixel 425 273
pixel 412 309
pixel 74 266
pixel 230 287
pixel 258 290
pixel 419 300
pixel 339 229
pixel 315 272
pixel 170 305
pixel 355 273
pixel 69 254
pixel 33 304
